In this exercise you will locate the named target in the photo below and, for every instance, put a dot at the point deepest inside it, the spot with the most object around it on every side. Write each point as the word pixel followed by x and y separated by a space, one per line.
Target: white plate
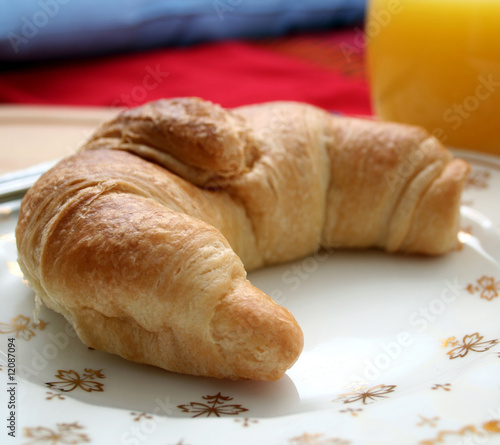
pixel 398 350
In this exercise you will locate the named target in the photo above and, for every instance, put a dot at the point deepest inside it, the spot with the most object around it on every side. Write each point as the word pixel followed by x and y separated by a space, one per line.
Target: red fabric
pixel 325 69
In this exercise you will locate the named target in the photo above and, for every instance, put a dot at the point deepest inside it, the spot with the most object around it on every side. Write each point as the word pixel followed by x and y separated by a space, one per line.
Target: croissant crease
pixel 142 239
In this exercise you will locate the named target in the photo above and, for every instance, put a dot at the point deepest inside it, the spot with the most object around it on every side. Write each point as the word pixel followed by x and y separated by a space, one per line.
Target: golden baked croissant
pixel 142 239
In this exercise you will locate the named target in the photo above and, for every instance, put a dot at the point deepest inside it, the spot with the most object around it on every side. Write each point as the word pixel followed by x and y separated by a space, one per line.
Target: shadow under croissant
pixel 81 373
pixel 330 306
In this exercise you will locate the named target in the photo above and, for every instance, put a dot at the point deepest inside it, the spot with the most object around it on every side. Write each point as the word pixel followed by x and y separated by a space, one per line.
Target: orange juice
pixel 436 63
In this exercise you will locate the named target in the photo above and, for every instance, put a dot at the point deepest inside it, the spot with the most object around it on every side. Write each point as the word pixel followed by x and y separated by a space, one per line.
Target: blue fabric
pixel 42 29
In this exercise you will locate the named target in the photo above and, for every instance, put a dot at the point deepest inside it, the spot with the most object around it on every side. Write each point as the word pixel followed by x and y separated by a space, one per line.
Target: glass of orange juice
pixel 436 63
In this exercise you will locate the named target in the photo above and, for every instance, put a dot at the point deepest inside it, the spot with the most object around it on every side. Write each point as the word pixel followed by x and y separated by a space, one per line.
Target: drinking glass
pixel 436 63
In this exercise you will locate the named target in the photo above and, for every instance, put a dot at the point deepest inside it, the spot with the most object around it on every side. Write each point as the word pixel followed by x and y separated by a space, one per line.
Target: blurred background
pixel 122 53
pixel 394 60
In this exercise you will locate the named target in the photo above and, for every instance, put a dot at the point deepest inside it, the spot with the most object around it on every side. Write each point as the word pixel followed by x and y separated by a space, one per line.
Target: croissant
pixel 142 239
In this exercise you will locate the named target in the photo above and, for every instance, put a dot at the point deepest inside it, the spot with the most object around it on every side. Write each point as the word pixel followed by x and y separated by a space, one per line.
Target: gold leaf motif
pixel 446 386
pixel 424 421
pixel 139 416
pixel 22 326
pixel 486 286
pixel 70 380
pixel 64 433
pixel 478 179
pixel 246 421
pixel 317 439
pixel 473 342
pixel 215 406
pixel 354 412
pixel 449 341
pixel 442 434
pixel 372 394
pixel 492 426
pixel 52 395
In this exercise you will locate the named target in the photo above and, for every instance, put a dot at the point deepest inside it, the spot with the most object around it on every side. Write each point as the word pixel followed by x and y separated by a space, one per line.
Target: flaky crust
pixel 143 238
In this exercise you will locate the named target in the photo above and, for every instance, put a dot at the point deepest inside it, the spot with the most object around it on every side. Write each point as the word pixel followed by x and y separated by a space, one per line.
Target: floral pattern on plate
pixel 399 349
